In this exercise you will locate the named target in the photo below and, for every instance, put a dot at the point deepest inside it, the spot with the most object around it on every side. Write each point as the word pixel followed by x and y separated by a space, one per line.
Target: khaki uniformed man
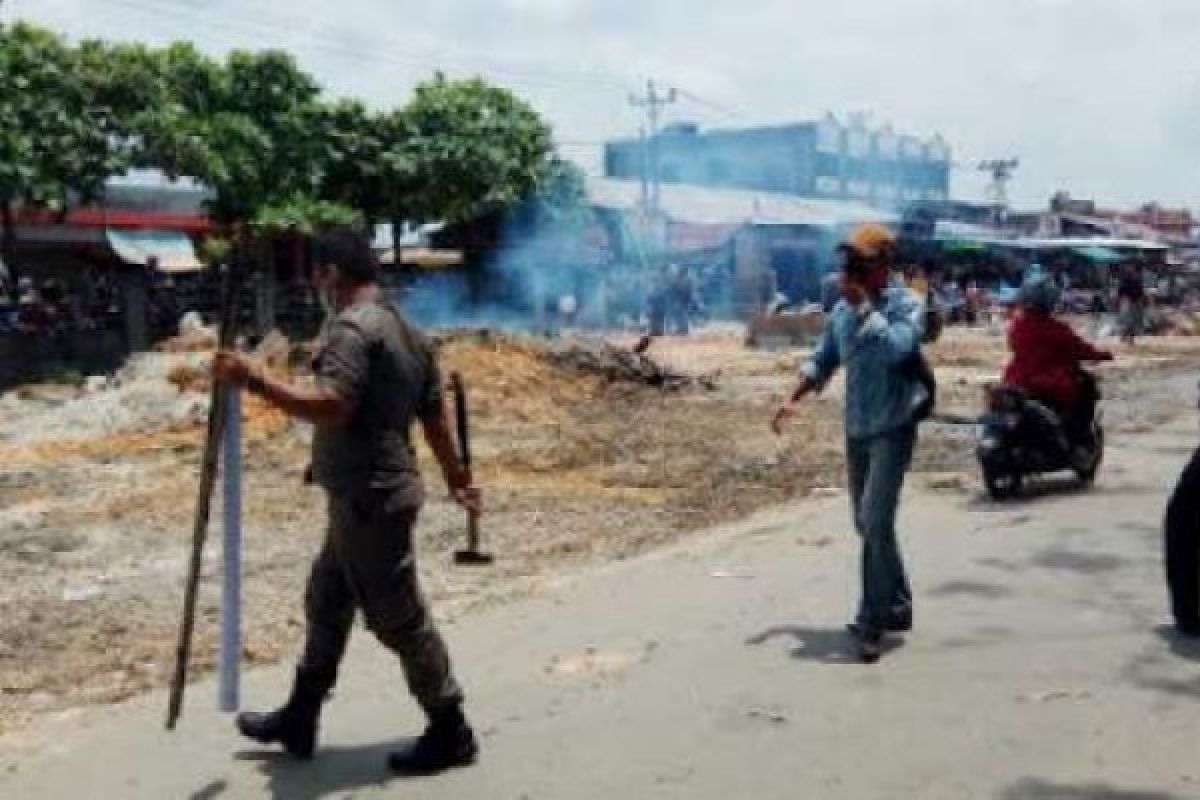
pixel 375 375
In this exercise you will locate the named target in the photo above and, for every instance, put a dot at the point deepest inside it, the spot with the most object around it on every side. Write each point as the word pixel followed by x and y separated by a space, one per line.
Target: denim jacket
pixel 877 351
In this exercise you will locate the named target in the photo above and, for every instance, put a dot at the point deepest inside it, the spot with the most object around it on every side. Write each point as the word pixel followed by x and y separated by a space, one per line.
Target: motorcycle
pixel 1022 437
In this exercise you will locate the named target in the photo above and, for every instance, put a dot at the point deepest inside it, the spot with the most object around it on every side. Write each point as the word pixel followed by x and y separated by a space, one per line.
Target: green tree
pixel 349 153
pixel 55 139
pixel 464 149
pixel 244 129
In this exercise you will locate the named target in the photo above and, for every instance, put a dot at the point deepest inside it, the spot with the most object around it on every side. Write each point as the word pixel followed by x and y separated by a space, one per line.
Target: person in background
pixel 683 300
pixel 973 297
pixel 831 291
pixel 1131 302
pixel 568 308
pixel 33 317
pixel 658 304
pixel 875 333
pixel 1047 356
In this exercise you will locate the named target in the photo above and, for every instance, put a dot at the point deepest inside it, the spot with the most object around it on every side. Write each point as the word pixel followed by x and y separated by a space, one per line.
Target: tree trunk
pixel 265 294
pixel 8 240
pixel 134 307
pixel 397 228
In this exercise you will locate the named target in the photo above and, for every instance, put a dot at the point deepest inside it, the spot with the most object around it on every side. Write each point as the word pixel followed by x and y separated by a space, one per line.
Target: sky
pixel 1097 97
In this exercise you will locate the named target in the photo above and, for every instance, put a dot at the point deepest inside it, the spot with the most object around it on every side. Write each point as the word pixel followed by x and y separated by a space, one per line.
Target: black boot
pixel 295 724
pixel 447 742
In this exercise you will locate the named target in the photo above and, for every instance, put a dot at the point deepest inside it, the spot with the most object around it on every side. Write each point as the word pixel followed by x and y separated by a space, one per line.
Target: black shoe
pixel 295 724
pixel 448 742
pixel 900 622
pixel 870 644
pixel 1188 627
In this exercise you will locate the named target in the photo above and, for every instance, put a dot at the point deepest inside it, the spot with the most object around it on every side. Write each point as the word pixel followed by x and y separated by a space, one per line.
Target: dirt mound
pixel 510 379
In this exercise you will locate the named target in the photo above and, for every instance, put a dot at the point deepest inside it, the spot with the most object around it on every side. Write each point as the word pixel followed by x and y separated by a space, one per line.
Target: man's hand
pixel 853 292
pixel 464 491
pixel 783 415
pixel 470 498
pixel 233 368
pixel 787 409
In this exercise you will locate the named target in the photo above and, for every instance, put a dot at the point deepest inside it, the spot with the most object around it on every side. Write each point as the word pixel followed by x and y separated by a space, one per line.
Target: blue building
pixel 825 159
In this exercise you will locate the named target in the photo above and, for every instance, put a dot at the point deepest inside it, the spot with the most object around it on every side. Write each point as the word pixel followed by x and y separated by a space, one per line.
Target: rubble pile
pixel 618 365
pixel 156 401
pixel 194 337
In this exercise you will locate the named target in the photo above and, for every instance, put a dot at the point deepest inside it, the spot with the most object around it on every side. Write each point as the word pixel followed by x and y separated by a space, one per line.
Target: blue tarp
pixel 1101 255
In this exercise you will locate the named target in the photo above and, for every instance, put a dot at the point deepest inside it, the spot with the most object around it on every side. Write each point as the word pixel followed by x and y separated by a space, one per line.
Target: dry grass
pixel 576 471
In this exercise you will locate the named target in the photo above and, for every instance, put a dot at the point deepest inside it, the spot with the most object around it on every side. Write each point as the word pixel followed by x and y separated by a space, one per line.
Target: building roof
pixel 704 206
pixel 1074 242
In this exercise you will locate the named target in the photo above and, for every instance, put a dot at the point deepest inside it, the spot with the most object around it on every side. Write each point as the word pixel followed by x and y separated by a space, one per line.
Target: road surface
pixel 1040 668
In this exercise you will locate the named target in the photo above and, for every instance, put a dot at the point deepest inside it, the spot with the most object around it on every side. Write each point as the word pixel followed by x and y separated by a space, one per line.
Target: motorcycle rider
pixel 1047 355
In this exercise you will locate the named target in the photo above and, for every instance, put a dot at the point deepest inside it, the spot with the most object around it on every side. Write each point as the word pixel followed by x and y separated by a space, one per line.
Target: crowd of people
pixel 47 309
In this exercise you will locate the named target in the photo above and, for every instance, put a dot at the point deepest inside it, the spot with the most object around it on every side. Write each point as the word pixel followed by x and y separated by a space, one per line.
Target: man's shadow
pixel 333 771
pixel 822 645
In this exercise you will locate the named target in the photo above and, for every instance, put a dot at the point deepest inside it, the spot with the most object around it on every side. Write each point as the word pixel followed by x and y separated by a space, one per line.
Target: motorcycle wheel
pixel 1002 485
pixel 1087 474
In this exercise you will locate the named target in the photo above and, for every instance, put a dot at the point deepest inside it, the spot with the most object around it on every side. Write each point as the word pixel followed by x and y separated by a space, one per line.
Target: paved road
pixel 1039 669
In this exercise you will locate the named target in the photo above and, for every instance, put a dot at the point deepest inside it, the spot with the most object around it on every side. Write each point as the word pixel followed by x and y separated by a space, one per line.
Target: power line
pixel 387 50
pixel 700 101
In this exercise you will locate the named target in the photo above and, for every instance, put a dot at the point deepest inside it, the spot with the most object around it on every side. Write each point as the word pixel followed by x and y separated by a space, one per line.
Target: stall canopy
pixel 1099 255
pixel 171 249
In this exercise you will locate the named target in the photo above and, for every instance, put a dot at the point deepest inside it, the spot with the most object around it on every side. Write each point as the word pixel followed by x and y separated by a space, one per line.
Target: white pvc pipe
pixel 231 584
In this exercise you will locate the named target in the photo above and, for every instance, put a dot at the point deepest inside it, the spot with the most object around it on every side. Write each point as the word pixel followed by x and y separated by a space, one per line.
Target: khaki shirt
pixel 375 359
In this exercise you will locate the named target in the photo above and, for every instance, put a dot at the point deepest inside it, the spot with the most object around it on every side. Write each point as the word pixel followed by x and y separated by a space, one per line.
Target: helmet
pixel 1039 293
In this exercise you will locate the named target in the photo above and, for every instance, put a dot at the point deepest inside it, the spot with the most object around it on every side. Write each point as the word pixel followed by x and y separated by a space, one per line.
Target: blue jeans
pixel 877 466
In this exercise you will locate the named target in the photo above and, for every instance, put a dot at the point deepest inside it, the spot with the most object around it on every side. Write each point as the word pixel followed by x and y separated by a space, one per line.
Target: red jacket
pixel 1047 354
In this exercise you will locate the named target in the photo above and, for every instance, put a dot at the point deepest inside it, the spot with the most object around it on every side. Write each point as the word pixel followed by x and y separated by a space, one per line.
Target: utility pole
pixel 653 102
pixel 643 170
pixel 1001 170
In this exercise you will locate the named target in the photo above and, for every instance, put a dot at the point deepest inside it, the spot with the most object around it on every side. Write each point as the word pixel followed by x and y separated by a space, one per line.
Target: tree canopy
pixel 260 133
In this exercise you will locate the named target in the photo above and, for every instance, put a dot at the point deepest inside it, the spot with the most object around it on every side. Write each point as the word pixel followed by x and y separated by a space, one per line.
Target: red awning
pixel 108 218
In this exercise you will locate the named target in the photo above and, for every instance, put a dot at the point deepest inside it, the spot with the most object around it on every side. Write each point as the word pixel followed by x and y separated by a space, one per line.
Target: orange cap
pixel 871 240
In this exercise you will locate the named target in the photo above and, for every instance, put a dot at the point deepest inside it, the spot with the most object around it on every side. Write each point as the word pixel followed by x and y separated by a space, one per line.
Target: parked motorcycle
pixel 1022 437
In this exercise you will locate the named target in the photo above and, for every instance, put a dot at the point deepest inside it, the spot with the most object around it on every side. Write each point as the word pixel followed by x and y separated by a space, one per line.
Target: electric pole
pixel 1001 170
pixel 653 102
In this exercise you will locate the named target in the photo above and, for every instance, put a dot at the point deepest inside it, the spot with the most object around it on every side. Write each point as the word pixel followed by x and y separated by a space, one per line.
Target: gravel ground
pixel 94 539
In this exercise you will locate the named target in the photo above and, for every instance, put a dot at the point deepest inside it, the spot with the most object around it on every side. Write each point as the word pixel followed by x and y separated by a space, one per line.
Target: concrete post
pixel 231 585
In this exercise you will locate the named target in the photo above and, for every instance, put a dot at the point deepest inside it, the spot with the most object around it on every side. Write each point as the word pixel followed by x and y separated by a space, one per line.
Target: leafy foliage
pixel 257 131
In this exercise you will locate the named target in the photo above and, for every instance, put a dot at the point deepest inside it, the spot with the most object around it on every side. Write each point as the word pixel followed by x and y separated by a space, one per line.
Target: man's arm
pixel 900 337
pixel 1079 348
pixel 434 414
pixel 458 477
pixel 813 376
pixel 318 404
pixel 437 430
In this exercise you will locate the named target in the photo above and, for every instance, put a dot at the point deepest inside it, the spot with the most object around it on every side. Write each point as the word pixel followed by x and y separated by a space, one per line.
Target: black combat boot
pixel 447 742
pixel 295 724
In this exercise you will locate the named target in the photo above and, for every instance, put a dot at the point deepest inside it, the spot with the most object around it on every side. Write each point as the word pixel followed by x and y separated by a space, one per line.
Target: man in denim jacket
pixel 875 333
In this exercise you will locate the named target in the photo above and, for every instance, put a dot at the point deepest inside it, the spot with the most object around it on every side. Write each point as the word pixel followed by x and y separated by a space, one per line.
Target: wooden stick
pixel 208 476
